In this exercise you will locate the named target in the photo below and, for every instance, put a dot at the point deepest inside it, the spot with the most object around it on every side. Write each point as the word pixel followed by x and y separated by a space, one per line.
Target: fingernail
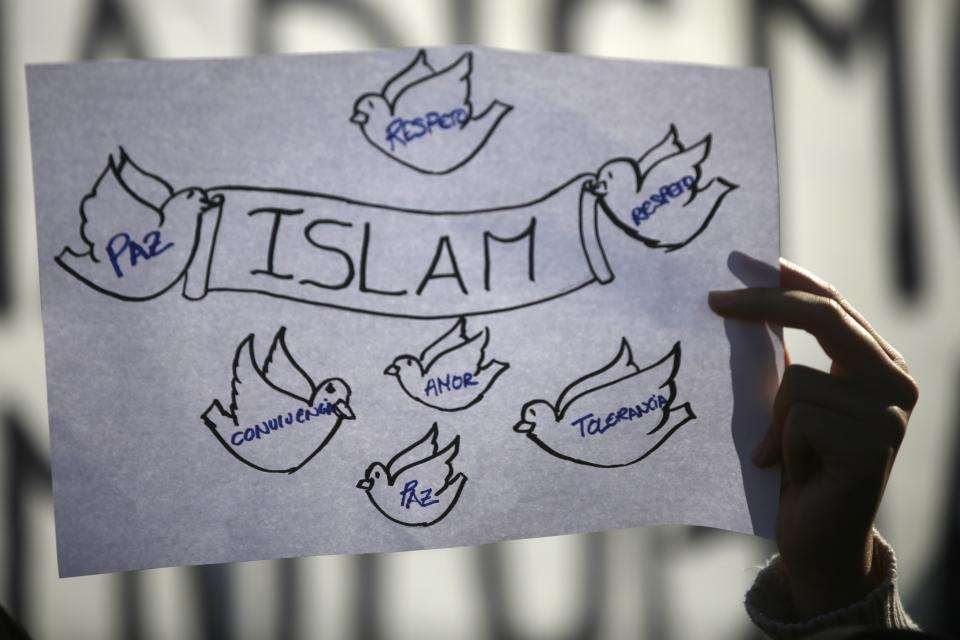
pixel 720 300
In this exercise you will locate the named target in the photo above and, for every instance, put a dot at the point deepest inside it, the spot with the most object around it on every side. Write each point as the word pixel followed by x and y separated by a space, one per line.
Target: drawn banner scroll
pixel 334 252
pixel 143 237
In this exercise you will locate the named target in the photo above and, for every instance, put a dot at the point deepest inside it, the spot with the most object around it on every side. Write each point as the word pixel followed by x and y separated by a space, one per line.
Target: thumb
pixel 767 452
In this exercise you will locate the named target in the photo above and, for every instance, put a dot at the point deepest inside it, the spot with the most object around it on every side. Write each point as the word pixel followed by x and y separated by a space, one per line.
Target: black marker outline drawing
pixel 416 75
pixel 424 451
pixel 155 196
pixel 619 370
pixel 280 375
pixel 576 195
pixel 455 343
pixel 669 148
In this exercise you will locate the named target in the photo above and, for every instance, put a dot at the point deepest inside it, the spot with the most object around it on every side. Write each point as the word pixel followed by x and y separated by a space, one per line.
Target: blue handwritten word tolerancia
pixel 667 192
pixel 409 496
pixel 403 131
pixel 591 425
pixel 301 415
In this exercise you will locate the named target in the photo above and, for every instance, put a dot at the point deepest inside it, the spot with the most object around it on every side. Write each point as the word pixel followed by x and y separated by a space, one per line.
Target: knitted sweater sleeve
pixel 769 605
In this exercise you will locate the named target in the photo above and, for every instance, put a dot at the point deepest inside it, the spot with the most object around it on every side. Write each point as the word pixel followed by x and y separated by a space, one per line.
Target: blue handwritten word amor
pixel 134 250
pixel 300 416
pixel 591 425
pixel 403 131
pixel 666 193
pixel 439 386
pixel 409 496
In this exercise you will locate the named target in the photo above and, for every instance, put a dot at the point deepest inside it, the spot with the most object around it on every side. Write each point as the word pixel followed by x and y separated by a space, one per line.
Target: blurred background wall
pixel 866 95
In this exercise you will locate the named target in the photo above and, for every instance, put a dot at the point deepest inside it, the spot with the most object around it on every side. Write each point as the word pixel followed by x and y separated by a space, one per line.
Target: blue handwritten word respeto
pixel 300 416
pixel 666 193
pixel 450 382
pixel 403 131
pixel 409 496
pixel 150 248
pixel 592 425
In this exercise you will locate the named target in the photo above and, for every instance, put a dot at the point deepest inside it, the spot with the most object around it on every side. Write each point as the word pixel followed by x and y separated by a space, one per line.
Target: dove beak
pixel 524 427
pixel 597 187
pixel 365 484
pixel 343 410
pixel 359 118
pixel 392 370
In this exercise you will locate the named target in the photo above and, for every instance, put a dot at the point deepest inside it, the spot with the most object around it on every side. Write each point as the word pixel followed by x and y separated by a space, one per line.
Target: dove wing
pixel 668 146
pixel 673 168
pixel 622 366
pixel 418 69
pixel 434 472
pixel 637 388
pixel 150 188
pixel 663 371
pixel 283 372
pixel 443 91
pixel 420 450
pixel 462 358
pixel 111 207
pixel 253 398
pixel 454 336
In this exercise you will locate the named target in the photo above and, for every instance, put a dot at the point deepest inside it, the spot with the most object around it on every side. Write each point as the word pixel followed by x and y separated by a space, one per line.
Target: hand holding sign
pixel 836 435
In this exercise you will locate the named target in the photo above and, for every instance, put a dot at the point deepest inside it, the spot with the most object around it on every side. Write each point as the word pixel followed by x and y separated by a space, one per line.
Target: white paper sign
pixel 396 300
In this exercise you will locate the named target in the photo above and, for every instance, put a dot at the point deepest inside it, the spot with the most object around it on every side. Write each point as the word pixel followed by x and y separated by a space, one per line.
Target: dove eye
pixel 610 175
pixel 533 413
pixel 329 388
pixel 376 474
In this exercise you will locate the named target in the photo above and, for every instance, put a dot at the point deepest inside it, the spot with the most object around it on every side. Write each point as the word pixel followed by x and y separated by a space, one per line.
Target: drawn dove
pixel 418 486
pixel 139 232
pixel 424 118
pixel 658 198
pixel 612 417
pixel 278 419
pixel 450 373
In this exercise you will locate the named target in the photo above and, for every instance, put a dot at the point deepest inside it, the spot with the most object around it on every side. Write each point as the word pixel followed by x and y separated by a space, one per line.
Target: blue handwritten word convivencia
pixel 437 386
pixel 592 425
pixel 300 416
pixel 409 496
pixel 403 131
pixel 135 251
pixel 666 193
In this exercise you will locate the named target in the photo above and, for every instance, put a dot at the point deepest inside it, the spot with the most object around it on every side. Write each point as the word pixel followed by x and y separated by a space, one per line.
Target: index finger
pixel 793 276
pixel 843 338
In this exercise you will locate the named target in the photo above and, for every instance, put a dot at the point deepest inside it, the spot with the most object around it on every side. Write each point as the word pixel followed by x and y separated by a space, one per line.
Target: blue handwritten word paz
pixel 408 496
pixel 135 251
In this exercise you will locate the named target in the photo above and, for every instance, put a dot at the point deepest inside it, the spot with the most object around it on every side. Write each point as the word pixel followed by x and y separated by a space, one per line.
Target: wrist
pixel 814 593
